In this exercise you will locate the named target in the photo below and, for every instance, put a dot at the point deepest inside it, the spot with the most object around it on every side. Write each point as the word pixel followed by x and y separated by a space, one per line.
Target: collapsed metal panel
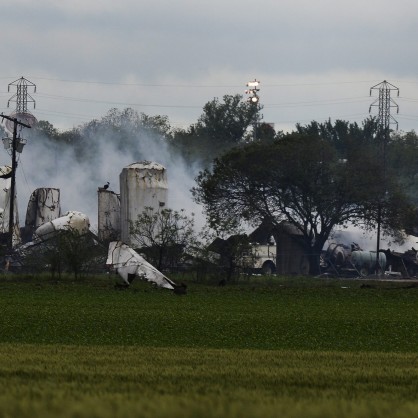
pixel 142 184
pixel 128 263
pixel 108 215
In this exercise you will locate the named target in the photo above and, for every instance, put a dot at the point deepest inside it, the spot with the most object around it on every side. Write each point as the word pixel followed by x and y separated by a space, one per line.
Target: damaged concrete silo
pixel 108 215
pixel 142 184
pixel 43 206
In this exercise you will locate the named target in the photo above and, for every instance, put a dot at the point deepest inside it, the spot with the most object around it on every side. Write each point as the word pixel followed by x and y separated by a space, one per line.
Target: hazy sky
pixel 315 60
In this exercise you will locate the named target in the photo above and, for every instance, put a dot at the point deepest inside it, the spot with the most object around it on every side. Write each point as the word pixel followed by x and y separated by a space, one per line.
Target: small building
pixel 285 241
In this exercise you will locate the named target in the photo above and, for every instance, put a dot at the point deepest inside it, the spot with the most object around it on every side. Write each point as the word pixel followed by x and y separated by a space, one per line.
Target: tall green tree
pixel 342 134
pixel 223 124
pixel 302 180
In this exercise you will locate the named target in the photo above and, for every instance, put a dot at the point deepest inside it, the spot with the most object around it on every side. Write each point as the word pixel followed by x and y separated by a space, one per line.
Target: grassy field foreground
pixel 284 348
pixel 71 381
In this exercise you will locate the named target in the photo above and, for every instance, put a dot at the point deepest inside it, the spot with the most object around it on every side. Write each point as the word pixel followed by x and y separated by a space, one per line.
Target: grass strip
pixel 97 381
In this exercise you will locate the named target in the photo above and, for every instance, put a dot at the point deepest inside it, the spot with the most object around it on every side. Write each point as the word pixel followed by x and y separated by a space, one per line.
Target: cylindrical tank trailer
pixel 365 261
pixel 342 256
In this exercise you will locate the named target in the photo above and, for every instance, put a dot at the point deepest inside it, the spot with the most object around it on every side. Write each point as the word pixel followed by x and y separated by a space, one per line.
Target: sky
pixel 314 60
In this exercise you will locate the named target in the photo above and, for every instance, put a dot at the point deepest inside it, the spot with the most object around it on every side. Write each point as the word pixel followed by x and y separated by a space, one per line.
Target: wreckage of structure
pixel 72 221
pixel 43 207
pixel 129 264
pixel 142 185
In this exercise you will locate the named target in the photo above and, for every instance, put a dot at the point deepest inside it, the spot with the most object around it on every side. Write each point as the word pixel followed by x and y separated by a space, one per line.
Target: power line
pixel 343 100
pixel 304 84
pixel 87 100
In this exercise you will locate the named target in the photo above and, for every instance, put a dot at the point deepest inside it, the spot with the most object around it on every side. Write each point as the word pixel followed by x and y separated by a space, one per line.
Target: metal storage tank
pixel 142 184
pixel 108 215
pixel 73 221
pixel 365 261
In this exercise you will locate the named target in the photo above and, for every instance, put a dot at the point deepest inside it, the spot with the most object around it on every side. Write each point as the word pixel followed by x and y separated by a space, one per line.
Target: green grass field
pixel 278 348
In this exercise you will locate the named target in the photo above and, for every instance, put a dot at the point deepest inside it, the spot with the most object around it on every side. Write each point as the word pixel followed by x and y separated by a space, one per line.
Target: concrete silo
pixel 108 215
pixel 43 206
pixel 142 184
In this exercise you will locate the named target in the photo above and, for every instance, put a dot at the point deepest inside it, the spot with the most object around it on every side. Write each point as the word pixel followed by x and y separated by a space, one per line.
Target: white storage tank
pixel 142 184
pixel 72 221
pixel 108 215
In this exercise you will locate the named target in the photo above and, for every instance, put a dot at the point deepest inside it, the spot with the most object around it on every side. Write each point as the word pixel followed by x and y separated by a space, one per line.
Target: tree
pixel 68 251
pixel 342 134
pixel 299 179
pixel 164 236
pixel 224 124
pixel 266 132
pixel 402 157
pixel 46 128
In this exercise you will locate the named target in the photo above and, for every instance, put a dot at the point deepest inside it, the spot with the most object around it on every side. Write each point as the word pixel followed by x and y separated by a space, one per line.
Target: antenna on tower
pixel 384 103
pixel 254 99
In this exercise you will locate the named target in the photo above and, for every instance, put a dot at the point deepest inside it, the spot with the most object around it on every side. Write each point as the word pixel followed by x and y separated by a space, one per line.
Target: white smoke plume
pixel 45 164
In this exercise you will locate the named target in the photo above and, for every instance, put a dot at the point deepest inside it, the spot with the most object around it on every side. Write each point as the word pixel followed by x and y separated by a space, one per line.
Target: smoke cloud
pixel 47 164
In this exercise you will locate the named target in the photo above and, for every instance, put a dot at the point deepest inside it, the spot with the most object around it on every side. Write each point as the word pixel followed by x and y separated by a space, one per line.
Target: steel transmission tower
pixel 22 97
pixel 384 103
